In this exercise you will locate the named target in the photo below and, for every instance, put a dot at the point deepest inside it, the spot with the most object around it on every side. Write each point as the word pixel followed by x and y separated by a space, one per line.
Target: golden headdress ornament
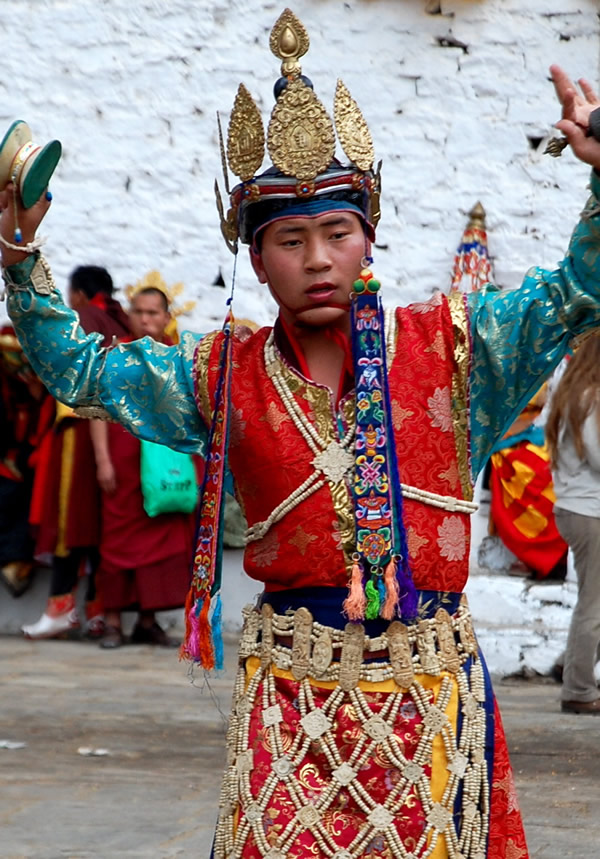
pixel 300 142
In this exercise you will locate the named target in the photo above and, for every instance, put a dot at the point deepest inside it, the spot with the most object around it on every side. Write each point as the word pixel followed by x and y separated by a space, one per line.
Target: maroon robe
pixel 145 562
pixel 66 484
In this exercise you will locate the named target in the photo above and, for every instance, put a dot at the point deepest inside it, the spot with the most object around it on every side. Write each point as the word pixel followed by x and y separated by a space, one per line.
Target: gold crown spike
pixel 352 129
pixel 223 155
pixel 245 137
pixel 229 229
pixel 289 41
pixel 376 197
pixel 300 139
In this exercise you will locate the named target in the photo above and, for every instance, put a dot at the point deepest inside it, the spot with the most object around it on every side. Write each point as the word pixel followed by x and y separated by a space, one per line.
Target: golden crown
pixel 300 137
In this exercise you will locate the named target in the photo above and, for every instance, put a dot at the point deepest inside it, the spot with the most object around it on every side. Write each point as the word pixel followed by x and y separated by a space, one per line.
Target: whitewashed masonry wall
pixel 456 93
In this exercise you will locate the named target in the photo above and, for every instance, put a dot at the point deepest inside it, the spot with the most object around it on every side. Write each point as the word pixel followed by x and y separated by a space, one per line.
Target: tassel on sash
pixel 355 602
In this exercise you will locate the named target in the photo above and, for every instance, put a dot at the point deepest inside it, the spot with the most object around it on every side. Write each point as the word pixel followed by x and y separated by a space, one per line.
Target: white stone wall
pixel 451 95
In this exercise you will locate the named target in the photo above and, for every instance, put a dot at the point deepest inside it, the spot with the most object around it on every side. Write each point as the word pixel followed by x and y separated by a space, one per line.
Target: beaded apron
pixel 345 745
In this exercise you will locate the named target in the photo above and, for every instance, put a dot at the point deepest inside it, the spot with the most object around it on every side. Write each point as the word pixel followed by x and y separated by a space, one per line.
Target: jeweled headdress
pixel 301 144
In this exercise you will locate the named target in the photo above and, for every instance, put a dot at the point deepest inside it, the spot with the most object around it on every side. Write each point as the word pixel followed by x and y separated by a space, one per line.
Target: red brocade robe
pixel 519 336
pixel 312 544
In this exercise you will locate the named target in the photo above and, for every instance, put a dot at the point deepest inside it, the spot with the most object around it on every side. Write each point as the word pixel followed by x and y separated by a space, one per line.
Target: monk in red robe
pixel 65 508
pixel 144 561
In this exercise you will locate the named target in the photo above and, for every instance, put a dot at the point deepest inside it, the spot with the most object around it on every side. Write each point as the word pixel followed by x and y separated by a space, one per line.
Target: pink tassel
pixel 194 639
pixel 190 649
pixel 392 592
pixel 355 602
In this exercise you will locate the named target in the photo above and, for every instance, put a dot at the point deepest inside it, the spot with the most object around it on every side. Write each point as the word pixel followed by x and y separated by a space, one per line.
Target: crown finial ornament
pixel 476 217
pixel 289 41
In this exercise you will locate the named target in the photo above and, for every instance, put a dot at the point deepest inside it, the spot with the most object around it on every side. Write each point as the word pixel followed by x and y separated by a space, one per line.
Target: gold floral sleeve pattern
pixel 144 385
pixel 519 336
pixel 460 389
pixel 201 366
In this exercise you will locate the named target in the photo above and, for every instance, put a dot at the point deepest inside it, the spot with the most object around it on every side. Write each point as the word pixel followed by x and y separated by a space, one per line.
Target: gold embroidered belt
pixel 297 643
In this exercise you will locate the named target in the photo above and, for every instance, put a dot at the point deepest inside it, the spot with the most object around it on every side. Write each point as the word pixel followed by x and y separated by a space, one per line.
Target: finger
pixel 41 207
pixel 579 143
pixel 562 82
pixel 570 130
pixel 569 104
pixel 588 91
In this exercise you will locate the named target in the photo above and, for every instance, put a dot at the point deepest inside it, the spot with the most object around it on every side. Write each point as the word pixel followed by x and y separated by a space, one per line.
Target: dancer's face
pixel 310 265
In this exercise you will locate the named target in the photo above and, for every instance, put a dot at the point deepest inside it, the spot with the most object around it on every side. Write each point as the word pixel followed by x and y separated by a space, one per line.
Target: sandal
pixel 113 637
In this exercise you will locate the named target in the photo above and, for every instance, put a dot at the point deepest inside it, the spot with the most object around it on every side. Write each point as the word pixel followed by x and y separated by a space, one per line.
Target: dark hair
pixel 91 279
pixel 153 290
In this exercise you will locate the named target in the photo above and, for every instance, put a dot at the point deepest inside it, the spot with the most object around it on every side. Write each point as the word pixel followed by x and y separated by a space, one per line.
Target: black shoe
pixel 154 634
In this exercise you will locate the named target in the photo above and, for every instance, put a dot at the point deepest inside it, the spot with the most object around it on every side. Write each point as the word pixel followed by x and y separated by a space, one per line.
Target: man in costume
pixel 363 720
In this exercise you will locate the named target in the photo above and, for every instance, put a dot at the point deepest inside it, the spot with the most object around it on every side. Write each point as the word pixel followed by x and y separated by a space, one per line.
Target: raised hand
pixel 576 109
pixel 28 221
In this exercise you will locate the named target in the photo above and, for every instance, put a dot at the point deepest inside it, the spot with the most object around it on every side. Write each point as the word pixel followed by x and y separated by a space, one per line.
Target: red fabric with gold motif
pixel 507 836
pixel 523 506
pixel 343 818
pixel 269 459
pixel 421 384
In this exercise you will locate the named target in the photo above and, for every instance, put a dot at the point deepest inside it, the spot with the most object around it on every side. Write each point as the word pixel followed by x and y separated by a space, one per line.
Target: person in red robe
pixel 20 395
pixel 144 561
pixel 66 504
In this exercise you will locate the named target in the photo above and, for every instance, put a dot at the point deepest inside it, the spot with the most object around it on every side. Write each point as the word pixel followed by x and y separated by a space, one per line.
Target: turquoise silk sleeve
pixel 144 385
pixel 519 336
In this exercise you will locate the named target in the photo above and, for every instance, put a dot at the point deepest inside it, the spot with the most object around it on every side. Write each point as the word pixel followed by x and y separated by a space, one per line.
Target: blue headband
pixel 312 209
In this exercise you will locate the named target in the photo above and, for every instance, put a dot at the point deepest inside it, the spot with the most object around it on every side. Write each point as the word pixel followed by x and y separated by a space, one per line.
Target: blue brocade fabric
pixel 520 336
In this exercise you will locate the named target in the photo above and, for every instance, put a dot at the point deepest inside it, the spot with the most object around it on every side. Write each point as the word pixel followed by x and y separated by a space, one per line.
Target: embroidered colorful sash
pixel 381 582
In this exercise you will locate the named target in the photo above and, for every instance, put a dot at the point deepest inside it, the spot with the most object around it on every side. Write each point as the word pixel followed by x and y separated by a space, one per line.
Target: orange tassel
pixel 207 650
pixel 392 592
pixel 355 602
